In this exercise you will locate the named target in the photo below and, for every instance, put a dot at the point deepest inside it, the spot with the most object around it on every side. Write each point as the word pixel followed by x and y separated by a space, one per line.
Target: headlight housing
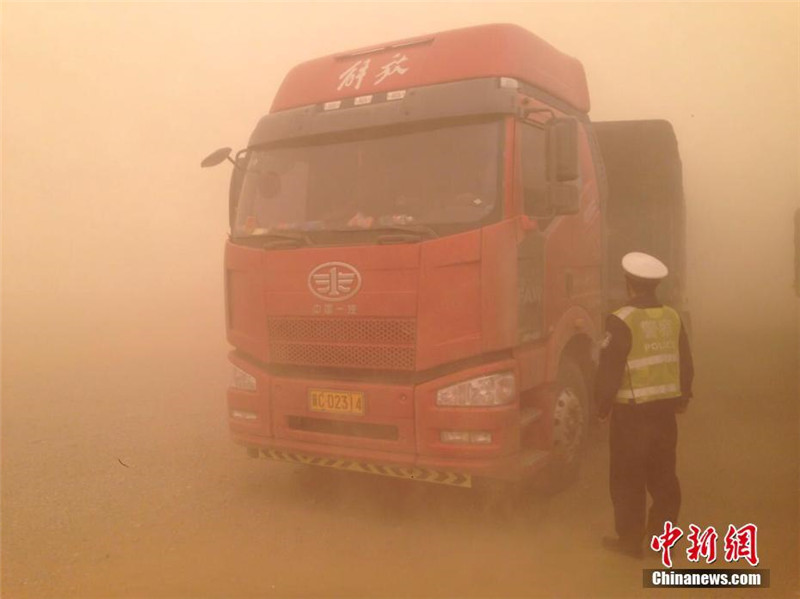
pixel 492 390
pixel 242 380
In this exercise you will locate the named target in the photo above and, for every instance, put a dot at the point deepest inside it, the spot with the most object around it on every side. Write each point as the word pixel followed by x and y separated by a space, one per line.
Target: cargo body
pixel 418 266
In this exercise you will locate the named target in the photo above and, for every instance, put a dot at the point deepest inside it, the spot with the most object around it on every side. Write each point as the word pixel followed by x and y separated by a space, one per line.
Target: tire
pixel 570 427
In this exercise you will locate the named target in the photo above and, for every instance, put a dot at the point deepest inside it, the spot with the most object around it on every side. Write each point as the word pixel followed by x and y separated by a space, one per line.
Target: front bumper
pixel 412 448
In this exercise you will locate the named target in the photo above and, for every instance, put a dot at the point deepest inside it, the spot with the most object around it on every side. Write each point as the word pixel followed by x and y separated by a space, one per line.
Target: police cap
pixel 644 266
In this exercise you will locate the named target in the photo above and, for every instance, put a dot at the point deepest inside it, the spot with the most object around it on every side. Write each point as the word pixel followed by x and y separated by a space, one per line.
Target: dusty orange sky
pixel 110 227
pixel 113 340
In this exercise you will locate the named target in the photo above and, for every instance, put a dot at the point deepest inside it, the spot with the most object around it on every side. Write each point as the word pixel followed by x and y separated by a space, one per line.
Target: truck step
pixel 532 457
pixel 528 416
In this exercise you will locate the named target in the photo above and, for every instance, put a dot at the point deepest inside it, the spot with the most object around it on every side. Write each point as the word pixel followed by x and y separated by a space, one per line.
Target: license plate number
pixel 336 402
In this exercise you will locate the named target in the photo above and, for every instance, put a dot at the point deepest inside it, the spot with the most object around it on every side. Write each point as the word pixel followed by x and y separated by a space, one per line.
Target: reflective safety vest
pixel 653 368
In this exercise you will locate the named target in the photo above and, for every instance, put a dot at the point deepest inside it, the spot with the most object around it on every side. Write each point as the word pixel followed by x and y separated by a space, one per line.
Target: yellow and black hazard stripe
pixel 456 479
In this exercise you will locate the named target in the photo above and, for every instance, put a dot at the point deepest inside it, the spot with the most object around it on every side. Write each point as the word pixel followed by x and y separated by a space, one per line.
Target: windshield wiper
pixel 278 239
pixel 415 229
pixel 404 233
pixel 396 233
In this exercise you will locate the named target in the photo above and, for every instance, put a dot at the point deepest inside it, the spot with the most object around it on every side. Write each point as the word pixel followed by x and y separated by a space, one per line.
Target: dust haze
pixel 118 477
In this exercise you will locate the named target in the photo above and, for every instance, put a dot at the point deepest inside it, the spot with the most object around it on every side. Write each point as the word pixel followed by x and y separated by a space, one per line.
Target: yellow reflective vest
pixel 653 368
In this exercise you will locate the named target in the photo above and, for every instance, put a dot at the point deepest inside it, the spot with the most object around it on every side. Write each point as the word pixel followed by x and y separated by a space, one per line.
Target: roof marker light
pixel 361 100
pixel 332 105
pixel 509 82
pixel 396 95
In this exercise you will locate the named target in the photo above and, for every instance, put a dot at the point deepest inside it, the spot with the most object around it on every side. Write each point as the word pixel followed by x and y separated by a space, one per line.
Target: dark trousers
pixel 643 440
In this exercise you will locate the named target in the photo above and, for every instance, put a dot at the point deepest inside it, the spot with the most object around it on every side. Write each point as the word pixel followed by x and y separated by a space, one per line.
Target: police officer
pixel 644 379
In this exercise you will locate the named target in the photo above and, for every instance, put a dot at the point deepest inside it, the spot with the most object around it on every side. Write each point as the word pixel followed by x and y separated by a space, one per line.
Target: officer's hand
pixel 681 406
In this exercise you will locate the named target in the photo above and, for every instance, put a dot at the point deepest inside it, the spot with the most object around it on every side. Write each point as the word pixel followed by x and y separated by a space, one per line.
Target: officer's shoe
pixel 618 546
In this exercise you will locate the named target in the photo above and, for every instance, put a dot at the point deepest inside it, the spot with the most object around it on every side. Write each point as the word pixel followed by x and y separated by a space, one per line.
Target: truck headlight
pixel 492 390
pixel 242 380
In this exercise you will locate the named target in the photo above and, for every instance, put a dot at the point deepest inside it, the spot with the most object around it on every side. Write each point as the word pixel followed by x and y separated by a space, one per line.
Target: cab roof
pixel 498 50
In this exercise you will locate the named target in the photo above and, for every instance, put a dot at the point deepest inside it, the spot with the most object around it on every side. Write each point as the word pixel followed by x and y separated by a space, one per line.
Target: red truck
pixel 424 240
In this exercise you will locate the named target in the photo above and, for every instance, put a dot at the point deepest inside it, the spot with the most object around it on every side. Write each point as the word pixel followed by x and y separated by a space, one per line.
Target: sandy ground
pixel 118 480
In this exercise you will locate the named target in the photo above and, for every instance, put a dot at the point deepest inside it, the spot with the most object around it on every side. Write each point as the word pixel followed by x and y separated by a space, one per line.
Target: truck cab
pixel 414 275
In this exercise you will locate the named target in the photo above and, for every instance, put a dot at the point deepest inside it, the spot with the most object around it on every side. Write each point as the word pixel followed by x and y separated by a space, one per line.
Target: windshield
pixel 443 179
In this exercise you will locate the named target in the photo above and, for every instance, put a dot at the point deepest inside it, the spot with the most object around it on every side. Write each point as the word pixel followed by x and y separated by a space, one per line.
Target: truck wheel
pixel 570 427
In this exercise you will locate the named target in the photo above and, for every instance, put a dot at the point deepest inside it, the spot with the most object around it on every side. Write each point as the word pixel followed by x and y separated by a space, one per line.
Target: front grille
pixel 379 343
pixel 343 356
pixel 374 330
pixel 349 429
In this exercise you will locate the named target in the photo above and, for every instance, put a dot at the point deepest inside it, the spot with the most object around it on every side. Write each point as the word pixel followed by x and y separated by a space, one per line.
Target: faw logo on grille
pixel 334 281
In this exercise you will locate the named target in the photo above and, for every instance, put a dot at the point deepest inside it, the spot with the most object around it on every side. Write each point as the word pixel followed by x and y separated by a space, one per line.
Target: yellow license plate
pixel 336 402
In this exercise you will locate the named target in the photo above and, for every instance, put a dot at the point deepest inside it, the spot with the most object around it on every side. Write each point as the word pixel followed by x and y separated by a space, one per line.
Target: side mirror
pixel 235 189
pixel 216 157
pixel 562 150
pixel 537 202
pixel 564 198
pixel 556 200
